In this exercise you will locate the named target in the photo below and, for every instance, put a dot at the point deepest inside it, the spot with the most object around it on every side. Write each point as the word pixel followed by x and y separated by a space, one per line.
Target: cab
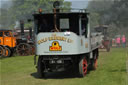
pixel 7 38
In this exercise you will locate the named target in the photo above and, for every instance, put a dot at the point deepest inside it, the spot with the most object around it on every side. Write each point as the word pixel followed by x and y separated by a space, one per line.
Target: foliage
pixel 111 12
pixel 23 9
pixel 4 16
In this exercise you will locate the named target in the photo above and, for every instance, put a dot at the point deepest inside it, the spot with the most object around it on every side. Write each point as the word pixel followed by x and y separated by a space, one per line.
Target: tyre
pixel 93 65
pixel 7 52
pixel 12 52
pixel 40 67
pixel 1 51
pixel 83 67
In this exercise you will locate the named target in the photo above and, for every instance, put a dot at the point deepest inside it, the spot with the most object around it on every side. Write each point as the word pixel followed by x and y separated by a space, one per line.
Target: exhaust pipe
pixel 30 32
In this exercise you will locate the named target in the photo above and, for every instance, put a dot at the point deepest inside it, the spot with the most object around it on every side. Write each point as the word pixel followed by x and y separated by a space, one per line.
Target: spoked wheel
pixel 1 51
pixel 83 65
pixel 40 67
pixel 7 52
pixel 23 49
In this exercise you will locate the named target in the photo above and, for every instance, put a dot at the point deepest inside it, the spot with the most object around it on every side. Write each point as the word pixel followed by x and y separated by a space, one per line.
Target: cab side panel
pixel 8 41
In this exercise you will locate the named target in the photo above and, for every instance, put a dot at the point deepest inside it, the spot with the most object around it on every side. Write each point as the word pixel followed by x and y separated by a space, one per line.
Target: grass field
pixel 21 71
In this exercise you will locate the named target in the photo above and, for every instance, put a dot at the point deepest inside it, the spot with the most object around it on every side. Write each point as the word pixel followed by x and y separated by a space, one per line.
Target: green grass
pixel 21 71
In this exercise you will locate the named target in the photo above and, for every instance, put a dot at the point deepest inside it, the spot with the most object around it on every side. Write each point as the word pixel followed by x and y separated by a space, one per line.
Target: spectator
pixel 118 41
pixel 123 41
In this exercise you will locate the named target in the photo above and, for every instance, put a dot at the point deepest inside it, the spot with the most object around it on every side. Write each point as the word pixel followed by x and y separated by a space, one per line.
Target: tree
pixel 4 19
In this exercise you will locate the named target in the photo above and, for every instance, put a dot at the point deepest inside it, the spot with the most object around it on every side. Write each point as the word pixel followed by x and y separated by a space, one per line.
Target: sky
pixel 75 3
pixel 1 1
pixel 4 2
pixel 79 4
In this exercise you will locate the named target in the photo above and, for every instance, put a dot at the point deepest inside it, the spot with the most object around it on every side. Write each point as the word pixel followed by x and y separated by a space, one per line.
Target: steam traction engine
pixel 25 46
pixel 7 43
pixel 106 41
pixel 63 42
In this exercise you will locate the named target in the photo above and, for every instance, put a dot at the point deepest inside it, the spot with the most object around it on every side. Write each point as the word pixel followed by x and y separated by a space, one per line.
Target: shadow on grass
pixel 5 57
pixel 56 75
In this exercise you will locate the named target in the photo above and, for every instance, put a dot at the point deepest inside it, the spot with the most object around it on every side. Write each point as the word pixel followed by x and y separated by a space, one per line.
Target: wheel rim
pixel 85 65
pixel 6 52
pixel 95 64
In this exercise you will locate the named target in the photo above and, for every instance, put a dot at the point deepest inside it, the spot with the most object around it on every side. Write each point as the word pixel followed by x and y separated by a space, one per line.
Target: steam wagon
pixel 64 41
pixel 7 43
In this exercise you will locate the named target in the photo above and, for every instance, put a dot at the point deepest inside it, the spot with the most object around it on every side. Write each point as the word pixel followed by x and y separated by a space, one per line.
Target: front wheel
pixel 2 51
pixel 83 65
pixel 40 67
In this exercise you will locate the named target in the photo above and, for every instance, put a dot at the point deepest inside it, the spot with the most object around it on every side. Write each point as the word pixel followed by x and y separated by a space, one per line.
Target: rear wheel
pixel 7 52
pixel 23 49
pixel 40 67
pixel 83 65
pixel 93 65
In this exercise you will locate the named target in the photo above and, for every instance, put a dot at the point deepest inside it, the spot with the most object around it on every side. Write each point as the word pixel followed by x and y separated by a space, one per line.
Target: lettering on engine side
pixel 54 37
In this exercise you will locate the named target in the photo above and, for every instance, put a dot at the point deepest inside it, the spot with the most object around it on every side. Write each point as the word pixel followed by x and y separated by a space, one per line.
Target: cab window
pixel 64 24
pixel 84 24
pixel 6 34
pixel 1 34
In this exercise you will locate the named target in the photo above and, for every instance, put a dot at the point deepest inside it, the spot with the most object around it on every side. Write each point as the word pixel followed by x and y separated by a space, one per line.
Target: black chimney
pixel 22 28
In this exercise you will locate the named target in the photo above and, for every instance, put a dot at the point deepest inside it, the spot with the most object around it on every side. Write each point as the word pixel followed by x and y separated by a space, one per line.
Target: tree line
pixel 113 13
pixel 23 10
